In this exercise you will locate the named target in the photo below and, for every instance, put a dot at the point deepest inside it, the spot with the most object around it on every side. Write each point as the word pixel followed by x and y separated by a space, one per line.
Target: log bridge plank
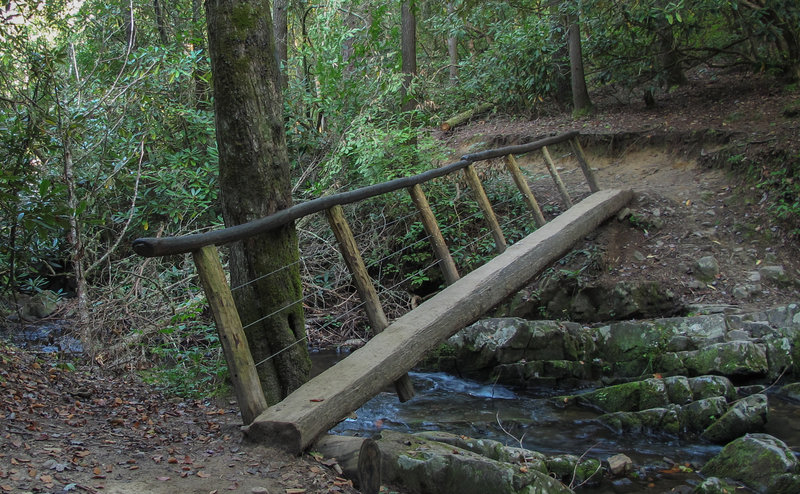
pixel 294 423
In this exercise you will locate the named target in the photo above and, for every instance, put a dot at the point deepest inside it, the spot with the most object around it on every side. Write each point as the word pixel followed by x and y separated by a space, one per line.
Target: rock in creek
pixel 676 406
pixel 424 465
pixel 762 462
pixel 746 415
pixel 519 352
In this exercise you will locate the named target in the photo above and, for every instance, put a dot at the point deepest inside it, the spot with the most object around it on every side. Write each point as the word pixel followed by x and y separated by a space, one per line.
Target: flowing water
pixel 483 410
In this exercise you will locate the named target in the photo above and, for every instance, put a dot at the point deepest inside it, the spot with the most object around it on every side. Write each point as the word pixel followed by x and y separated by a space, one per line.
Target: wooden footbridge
pixel 322 402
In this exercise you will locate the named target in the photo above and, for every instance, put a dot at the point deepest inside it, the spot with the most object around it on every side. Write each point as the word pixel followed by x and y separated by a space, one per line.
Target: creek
pixel 53 336
pixel 529 418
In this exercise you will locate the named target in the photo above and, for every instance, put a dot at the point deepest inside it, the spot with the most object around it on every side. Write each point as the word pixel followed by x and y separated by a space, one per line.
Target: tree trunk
pixel 74 237
pixel 669 61
pixel 160 24
pixel 408 49
pixel 580 95
pixel 408 27
pixel 254 182
pixel 561 69
pixel 201 89
pixel 452 48
pixel 281 39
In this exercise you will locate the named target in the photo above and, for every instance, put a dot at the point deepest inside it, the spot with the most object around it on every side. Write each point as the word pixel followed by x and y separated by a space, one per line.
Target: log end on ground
pixel 269 432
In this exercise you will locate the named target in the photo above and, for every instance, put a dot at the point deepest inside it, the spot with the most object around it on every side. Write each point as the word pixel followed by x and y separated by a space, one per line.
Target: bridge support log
pixel 321 403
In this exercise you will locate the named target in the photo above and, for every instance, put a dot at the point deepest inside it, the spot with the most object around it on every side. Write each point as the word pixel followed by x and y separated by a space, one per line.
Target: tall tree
pixel 254 182
pixel 580 95
pixel 452 46
pixel 408 32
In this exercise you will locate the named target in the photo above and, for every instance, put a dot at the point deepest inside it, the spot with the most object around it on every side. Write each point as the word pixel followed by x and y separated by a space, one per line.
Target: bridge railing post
pixel 551 167
pixel 242 370
pixel 364 286
pixel 488 213
pixel 587 170
pixel 522 185
pixel 438 243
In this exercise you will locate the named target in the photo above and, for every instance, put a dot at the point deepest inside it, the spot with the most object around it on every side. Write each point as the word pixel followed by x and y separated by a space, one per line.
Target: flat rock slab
pixel 322 402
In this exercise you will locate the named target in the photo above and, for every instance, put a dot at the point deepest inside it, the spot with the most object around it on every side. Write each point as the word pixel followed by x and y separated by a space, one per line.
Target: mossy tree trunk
pixel 254 182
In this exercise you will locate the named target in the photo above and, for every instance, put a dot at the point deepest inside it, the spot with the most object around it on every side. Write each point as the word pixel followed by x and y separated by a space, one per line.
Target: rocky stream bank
pixel 709 378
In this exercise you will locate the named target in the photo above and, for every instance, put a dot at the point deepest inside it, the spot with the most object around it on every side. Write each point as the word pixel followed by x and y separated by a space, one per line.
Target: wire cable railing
pixel 470 222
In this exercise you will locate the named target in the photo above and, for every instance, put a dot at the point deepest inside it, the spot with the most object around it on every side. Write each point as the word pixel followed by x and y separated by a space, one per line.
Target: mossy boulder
pixel 746 415
pixel 666 419
pixel 627 397
pixel 491 342
pixel 787 483
pixel 426 466
pixel 732 358
pixel 712 386
pixel 700 414
pixel 679 390
pixel 572 470
pixel 630 341
pixel 714 485
pixel 790 392
pixel 490 448
pixel 544 372
pixel 757 460
pixel 779 354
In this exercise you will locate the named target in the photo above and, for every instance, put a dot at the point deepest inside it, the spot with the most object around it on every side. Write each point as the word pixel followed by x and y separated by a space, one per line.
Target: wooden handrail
pixel 165 246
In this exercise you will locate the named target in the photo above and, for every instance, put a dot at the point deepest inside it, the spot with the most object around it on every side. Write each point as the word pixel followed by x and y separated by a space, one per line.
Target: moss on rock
pixel 757 460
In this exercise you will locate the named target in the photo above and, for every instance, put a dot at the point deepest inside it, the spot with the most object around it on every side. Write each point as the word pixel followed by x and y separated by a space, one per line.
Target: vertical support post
pixel 440 249
pixel 587 170
pixel 551 167
pixel 241 367
pixel 483 201
pixel 366 290
pixel 522 185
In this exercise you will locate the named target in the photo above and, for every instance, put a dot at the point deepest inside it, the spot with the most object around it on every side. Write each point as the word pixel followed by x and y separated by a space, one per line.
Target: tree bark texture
pixel 281 39
pixel 408 30
pixel 452 48
pixel 161 25
pixel 254 182
pixel 580 95
pixel 201 89
pixel 669 60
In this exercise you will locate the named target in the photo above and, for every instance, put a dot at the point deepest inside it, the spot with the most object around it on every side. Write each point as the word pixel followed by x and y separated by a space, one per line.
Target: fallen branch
pixel 464 116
